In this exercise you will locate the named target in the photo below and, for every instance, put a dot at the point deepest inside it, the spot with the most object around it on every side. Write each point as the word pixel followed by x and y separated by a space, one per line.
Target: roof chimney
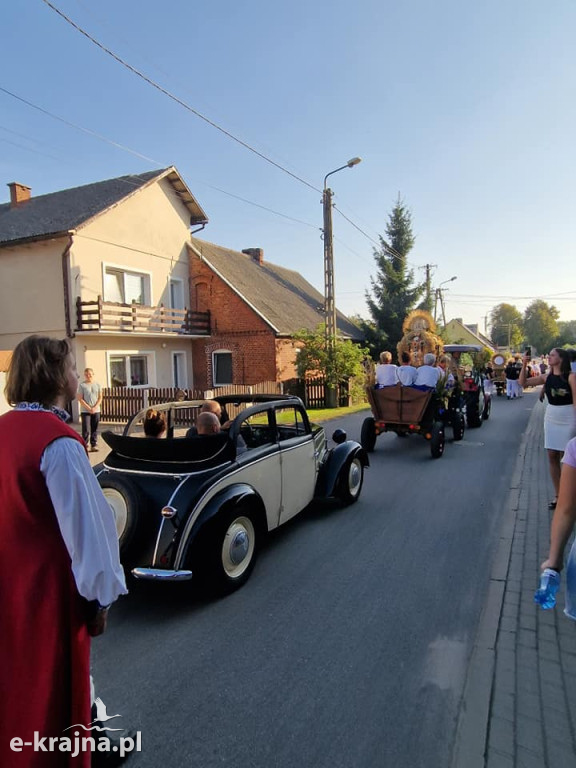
pixel 257 254
pixel 19 194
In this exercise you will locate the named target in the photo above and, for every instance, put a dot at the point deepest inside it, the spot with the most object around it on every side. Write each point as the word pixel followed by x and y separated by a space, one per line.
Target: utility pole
pixel 329 292
pixel 329 298
pixel 428 282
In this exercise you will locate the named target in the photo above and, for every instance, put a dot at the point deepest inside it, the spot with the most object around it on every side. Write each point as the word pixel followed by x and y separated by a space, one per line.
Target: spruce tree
pixel 393 293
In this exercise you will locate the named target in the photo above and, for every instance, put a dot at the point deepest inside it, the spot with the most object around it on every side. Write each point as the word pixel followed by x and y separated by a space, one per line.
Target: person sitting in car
pixel 154 423
pixel 207 423
pixel 427 375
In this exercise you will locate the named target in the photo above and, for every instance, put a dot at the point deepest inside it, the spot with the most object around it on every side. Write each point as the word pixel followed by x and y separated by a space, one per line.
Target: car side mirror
pixel 339 436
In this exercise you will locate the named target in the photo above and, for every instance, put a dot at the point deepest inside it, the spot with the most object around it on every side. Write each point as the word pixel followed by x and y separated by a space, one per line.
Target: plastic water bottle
pixel 545 595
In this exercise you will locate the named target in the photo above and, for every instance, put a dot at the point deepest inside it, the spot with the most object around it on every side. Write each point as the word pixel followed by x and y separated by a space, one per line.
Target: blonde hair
pixel 385 357
pixel 38 371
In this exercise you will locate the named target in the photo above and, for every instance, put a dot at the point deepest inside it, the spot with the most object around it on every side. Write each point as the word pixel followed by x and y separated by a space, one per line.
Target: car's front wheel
pixel 226 551
pixel 350 481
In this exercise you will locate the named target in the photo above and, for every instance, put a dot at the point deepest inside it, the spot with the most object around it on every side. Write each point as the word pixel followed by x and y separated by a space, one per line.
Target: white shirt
pixel 85 519
pixel 386 375
pixel 426 376
pixel 406 375
pixel 450 380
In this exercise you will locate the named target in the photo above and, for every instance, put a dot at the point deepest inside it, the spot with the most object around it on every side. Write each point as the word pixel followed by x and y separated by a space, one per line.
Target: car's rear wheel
pixel 125 502
pixel 368 434
pixel 437 440
pixel 226 551
pixel 350 481
pixel 458 424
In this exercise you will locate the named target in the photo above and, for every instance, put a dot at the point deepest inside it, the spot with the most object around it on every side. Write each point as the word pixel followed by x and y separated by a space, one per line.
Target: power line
pixel 176 98
pixel 89 131
pixel 125 148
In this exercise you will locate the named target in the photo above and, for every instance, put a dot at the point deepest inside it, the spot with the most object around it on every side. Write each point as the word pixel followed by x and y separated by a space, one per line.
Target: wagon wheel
pixel 368 434
pixel 437 440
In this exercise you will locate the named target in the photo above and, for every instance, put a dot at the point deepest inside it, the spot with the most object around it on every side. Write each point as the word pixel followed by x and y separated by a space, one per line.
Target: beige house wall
pixel 94 352
pixel 31 291
pixel 457 333
pixel 146 233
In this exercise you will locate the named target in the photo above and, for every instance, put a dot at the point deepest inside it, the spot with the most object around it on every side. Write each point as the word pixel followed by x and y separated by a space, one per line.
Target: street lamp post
pixel 329 292
pixel 439 296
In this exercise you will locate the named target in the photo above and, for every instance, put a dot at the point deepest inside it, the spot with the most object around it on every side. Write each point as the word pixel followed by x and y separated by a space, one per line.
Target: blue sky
pixel 467 110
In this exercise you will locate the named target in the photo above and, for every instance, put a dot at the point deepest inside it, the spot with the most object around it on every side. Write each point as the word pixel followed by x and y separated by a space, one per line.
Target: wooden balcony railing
pixel 137 318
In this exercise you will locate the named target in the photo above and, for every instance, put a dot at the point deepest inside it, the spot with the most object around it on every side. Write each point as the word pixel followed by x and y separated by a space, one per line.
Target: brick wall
pixel 235 327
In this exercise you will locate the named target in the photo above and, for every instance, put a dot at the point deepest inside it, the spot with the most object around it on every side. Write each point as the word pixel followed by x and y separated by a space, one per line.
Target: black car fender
pixel 226 499
pixel 337 459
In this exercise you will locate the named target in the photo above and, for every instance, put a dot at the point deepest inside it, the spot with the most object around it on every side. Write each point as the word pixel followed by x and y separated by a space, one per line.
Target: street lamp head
pixel 354 161
pixel 453 278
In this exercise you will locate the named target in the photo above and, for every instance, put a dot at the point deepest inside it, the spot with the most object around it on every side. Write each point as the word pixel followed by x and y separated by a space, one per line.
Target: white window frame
pixel 173 354
pixel 180 281
pixel 151 363
pixel 221 352
pixel 148 297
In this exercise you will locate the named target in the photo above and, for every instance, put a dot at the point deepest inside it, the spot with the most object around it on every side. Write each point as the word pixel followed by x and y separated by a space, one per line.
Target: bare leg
pixel 554 462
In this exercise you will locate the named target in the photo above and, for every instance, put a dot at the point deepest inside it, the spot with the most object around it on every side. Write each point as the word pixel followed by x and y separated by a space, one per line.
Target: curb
pixel 472 728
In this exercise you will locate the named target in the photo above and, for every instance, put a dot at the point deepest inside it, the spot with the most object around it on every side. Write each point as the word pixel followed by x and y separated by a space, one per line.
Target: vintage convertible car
pixel 198 506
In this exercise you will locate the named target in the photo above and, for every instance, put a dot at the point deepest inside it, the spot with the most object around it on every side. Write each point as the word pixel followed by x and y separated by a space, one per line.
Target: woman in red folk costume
pixel 59 561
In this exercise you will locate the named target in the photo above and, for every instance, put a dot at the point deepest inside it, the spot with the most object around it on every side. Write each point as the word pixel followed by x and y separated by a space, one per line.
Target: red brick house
pixel 255 309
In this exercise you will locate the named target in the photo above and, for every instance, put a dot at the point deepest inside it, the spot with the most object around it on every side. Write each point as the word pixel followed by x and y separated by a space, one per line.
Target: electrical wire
pixel 176 99
pixel 125 148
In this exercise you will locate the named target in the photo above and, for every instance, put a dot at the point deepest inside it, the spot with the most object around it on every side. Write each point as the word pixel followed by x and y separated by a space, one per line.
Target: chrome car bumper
pixel 160 574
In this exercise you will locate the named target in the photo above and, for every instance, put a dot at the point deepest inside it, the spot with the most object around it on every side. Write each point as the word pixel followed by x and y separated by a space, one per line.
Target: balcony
pixel 112 317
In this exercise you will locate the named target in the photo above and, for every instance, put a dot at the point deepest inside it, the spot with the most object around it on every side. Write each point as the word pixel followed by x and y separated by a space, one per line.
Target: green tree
pixel 540 325
pixel 507 328
pixel 314 357
pixel 566 334
pixel 393 293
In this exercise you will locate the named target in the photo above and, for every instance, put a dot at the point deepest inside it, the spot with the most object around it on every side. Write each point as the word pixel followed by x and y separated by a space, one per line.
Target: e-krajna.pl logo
pixel 75 743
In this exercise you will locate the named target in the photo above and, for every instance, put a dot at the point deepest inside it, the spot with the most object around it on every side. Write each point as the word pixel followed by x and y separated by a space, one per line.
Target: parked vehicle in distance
pixel 198 507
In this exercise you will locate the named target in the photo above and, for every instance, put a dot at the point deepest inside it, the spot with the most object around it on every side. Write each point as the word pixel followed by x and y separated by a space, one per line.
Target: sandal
pixel 552 504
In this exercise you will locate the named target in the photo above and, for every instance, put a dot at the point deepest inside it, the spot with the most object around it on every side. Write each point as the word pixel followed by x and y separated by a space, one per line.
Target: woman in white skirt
pixel 560 418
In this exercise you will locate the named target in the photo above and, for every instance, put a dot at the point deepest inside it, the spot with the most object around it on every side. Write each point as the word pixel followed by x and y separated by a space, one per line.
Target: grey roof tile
pixel 58 212
pixel 282 296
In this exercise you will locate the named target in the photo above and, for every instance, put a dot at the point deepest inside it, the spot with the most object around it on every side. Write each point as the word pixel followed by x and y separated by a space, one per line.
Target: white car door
pixel 297 461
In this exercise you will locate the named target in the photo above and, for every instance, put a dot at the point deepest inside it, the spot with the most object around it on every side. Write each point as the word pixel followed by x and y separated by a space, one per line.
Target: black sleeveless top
pixel 558 390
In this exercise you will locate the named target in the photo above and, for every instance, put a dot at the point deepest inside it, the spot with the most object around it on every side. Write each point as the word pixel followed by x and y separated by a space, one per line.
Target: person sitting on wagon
pixel 386 371
pixel 406 372
pixel 427 375
pixel 443 362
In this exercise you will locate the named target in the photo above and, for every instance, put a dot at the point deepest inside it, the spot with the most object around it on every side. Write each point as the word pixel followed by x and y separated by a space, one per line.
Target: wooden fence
pixel 313 392
pixel 120 403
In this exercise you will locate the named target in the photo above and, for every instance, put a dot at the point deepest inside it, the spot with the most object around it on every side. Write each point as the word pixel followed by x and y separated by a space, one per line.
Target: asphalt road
pixel 349 645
